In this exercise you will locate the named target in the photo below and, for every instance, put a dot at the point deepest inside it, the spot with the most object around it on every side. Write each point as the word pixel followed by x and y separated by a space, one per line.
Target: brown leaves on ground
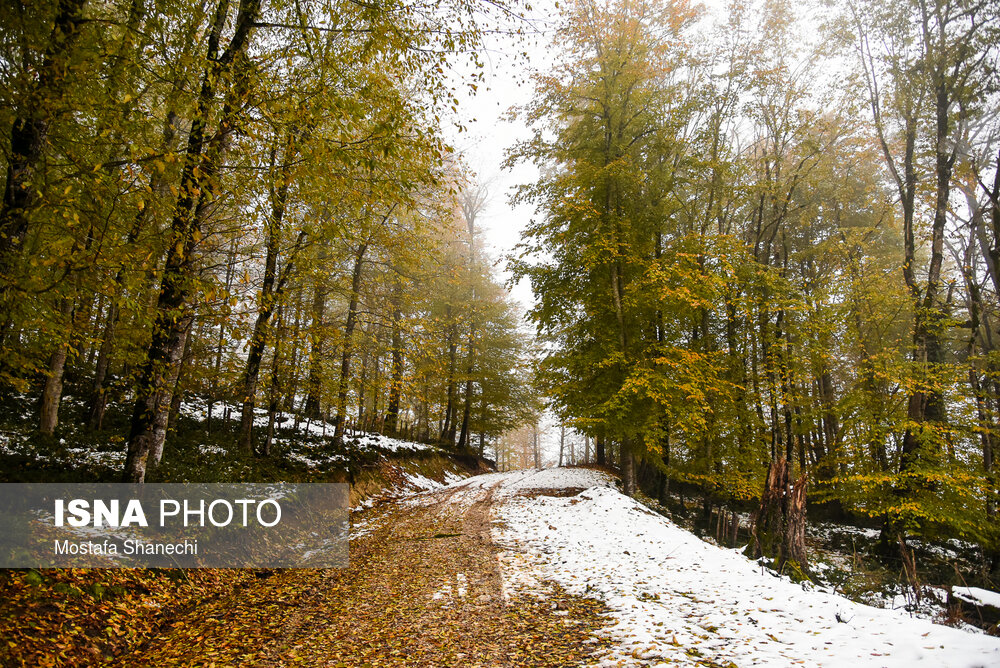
pixel 422 589
pixel 80 617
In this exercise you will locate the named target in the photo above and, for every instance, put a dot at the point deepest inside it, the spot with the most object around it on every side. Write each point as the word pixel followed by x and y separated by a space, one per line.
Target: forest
pixel 250 203
pixel 766 260
pixel 764 256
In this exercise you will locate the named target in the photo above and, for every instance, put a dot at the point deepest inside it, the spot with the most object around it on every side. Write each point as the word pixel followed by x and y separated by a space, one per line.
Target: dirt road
pixel 423 589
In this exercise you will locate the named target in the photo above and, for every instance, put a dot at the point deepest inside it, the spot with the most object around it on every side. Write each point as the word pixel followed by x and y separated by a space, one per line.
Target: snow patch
pixel 675 598
pixel 978 596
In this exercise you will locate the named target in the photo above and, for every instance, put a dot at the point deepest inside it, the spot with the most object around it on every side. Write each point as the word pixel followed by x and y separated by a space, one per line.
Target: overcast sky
pixel 489 135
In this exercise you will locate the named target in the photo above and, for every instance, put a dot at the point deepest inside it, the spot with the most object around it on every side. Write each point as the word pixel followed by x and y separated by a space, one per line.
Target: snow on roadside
pixel 515 483
pixel 978 596
pixel 676 599
pixel 413 488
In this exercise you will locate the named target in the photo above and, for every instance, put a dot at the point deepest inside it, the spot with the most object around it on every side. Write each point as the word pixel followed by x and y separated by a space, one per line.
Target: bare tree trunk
pixel 147 446
pixel 52 392
pixel 448 430
pixel 663 493
pixel 768 523
pixel 779 527
pixel 345 360
pixel 562 442
pixel 292 386
pixel 628 468
pixel 362 391
pixel 176 394
pixel 793 546
pixel 273 391
pixel 98 396
pixel 463 439
pixel 316 354
pixel 396 382
pixel 535 447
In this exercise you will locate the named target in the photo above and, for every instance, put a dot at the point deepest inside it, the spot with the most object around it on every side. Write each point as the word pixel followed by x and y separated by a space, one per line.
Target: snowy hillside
pixel 678 600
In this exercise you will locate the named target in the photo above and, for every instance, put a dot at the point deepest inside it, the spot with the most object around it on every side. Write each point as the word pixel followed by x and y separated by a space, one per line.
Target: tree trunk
pixel 52 392
pixel 194 202
pixel 345 359
pixel 925 408
pixel 779 526
pixel 663 494
pixel 448 430
pixel 535 446
pixel 149 441
pixel 29 134
pixel 463 439
pixel 562 443
pixel 396 383
pixel 273 390
pixel 316 354
pixel 176 394
pixel 628 468
pixel 363 381
pixel 230 271
pixel 270 293
pixel 768 523
pixel 793 545
pixel 98 394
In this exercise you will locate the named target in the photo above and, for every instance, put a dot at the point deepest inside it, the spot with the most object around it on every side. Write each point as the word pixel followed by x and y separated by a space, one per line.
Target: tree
pixel 597 120
pixel 926 75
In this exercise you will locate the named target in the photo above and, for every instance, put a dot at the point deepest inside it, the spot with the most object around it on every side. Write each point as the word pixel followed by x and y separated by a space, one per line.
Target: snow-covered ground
pixel 676 600
pixel 303 442
pixel 307 443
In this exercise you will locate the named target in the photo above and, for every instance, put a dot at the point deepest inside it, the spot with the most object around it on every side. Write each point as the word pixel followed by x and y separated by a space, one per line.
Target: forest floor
pixel 526 568
pixel 423 588
pixel 546 568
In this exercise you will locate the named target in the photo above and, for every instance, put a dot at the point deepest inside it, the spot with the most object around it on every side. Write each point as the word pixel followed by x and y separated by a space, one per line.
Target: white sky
pixel 489 135
pixel 508 84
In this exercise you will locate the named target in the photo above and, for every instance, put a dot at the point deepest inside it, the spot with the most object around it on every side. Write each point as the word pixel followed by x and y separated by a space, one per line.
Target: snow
pixel 825 530
pixel 978 596
pixel 677 600
pixel 421 482
pixel 196 408
pixel 519 482
pixel 98 458
pixel 414 490
pixel 368 441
